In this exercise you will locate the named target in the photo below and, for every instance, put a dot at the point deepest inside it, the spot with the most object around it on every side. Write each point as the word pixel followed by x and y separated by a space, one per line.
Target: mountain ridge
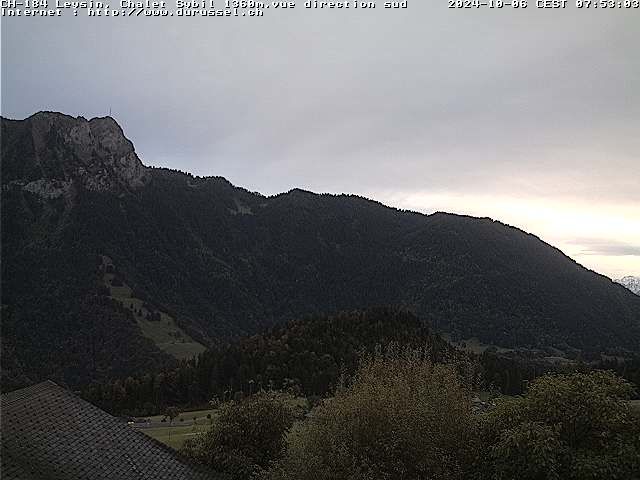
pixel 224 261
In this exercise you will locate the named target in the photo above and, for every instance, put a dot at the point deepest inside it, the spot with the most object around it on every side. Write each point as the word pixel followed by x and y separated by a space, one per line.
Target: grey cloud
pixel 530 103
pixel 605 247
pixel 427 97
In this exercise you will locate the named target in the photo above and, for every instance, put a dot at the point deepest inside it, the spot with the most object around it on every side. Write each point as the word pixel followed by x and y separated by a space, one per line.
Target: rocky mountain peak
pixel 61 149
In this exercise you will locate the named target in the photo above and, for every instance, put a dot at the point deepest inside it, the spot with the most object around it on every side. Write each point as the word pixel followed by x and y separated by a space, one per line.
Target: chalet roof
pixel 48 433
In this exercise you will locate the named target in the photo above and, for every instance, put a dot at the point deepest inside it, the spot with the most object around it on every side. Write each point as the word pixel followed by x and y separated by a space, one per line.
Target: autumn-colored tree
pixel 246 436
pixel 402 416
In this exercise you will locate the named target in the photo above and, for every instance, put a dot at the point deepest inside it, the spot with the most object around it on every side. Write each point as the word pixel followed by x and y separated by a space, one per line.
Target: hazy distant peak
pixel 631 282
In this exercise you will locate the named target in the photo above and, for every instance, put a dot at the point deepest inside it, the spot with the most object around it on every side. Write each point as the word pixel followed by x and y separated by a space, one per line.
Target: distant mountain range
pixel 110 267
pixel 632 283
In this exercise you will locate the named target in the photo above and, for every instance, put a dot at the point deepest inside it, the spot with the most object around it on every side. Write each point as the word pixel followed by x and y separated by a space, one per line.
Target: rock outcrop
pixel 61 150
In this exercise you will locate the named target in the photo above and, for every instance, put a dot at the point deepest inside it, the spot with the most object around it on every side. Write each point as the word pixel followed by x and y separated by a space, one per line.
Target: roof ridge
pixel 30 391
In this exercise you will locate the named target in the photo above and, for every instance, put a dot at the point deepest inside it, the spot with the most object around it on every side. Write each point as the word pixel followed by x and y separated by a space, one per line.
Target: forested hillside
pixel 222 261
pixel 305 356
pixel 310 356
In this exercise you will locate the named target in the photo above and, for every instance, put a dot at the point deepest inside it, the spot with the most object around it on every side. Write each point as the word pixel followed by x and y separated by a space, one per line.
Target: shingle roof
pixel 50 434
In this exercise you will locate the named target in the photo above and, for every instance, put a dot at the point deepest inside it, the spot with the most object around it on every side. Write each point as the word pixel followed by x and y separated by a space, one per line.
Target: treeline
pixel 511 373
pixel 305 357
pixel 627 368
pixel 404 417
pixel 308 357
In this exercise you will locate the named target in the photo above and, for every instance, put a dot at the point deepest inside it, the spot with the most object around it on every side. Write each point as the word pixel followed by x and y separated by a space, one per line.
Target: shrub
pixel 246 436
pixel 171 413
pixel 577 426
pixel 401 417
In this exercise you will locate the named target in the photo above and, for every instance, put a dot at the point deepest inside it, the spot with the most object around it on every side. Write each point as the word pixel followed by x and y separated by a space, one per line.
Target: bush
pixel 402 417
pixel 528 450
pixel 246 436
pixel 576 426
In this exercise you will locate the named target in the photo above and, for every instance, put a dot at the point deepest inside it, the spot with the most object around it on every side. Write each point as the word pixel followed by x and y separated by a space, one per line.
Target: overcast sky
pixel 528 116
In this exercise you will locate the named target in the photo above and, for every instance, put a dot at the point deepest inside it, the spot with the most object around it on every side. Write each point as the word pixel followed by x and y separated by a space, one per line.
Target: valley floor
pixel 187 425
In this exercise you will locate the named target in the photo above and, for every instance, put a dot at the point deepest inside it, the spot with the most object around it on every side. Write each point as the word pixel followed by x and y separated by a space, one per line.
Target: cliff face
pixel 55 151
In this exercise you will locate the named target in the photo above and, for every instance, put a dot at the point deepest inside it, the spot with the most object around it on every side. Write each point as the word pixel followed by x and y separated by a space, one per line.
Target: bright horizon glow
pixel 601 235
pixel 604 238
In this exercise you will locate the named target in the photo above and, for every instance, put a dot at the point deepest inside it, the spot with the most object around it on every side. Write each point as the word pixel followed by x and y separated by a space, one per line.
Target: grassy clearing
pixel 175 436
pixel 187 425
pixel 165 333
pixel 200 416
